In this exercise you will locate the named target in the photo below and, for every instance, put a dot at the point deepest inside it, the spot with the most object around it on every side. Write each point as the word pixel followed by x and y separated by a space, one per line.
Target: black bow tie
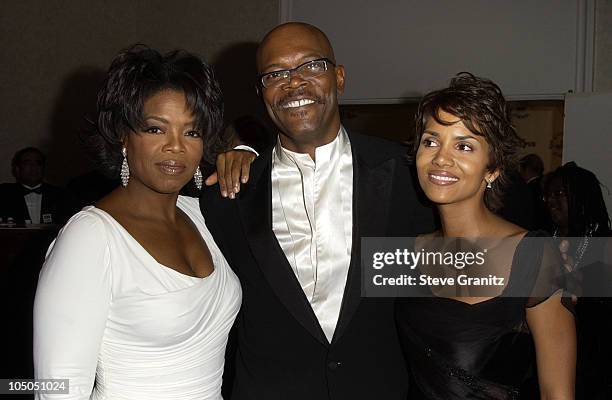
pixel 27 191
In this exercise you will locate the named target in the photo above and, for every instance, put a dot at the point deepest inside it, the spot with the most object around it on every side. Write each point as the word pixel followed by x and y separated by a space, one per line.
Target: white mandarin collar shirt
pixel 312 218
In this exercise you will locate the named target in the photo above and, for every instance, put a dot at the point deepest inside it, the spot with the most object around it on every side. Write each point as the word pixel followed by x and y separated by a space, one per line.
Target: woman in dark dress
pixel 470 344
pixel 576 205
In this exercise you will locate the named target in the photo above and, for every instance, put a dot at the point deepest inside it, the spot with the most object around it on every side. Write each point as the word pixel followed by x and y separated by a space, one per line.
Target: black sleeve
pixel 219 215
pixel 411 213
pixel 544 275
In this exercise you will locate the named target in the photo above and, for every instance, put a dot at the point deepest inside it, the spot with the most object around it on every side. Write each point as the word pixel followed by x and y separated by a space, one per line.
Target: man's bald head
pixel 304 106
pixel 288 32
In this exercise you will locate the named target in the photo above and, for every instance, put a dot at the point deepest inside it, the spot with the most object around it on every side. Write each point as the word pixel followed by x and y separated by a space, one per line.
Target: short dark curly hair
pixel 480 105
pixel 135 75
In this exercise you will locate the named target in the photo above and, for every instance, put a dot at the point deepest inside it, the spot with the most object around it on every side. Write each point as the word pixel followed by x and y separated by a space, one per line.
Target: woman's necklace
pixel 582 246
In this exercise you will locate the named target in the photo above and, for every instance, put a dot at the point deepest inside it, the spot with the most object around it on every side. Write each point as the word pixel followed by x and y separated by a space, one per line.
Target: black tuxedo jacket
pixel 281 350
pixel 12 203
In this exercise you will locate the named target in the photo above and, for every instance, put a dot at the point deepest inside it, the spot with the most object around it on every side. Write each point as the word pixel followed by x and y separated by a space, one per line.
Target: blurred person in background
pixel 29 199
pixel 531 168
pixel 575 202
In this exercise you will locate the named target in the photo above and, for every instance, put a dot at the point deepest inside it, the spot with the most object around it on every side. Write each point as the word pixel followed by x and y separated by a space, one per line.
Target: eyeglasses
pixel 307 70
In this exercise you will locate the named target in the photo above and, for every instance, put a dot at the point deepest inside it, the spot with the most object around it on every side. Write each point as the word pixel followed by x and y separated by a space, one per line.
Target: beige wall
pixel 540 124
pixel 54 54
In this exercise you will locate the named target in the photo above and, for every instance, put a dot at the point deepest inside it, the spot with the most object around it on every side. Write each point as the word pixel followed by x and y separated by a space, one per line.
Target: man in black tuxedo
pixel 293 237
pixel 29 199
pixel 531 168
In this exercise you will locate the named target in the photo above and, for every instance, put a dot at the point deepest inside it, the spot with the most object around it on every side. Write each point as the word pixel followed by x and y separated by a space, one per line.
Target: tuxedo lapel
pixel 25 212
pixel 255 205
pixel 372 187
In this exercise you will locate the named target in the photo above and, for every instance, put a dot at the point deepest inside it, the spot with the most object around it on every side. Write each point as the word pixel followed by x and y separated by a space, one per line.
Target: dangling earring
pixel 197 177
pixel 489 185
pixel 125 169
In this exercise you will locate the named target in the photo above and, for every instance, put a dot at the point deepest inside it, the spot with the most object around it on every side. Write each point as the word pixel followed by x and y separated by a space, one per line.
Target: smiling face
pixel 305 110
pixel 164 154
pixel 452 162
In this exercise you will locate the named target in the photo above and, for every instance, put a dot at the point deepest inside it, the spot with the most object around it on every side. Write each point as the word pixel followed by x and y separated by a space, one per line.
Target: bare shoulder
pixel 430 235
pixel 506 228
pixel 427 239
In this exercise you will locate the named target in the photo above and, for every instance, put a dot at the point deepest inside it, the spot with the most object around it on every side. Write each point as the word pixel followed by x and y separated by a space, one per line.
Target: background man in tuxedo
pixel 531 168
pixel 293 237
pixel 29 198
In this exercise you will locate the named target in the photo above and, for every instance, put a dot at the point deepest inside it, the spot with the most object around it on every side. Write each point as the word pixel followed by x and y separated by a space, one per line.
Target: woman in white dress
pixel 135 299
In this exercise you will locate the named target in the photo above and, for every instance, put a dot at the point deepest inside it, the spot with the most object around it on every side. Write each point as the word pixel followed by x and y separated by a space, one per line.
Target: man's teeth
pixel 444 178
pixel 298 103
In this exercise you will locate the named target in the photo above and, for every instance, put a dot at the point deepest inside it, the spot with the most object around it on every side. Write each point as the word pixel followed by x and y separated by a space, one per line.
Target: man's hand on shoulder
pixel 233 168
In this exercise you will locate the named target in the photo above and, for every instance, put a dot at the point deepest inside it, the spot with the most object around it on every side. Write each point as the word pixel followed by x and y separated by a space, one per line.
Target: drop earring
pixel 125 169
pixel 197 177
pixel 489 186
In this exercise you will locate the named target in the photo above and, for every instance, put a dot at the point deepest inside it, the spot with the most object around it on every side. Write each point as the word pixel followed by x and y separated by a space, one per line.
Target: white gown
pixel 106 311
